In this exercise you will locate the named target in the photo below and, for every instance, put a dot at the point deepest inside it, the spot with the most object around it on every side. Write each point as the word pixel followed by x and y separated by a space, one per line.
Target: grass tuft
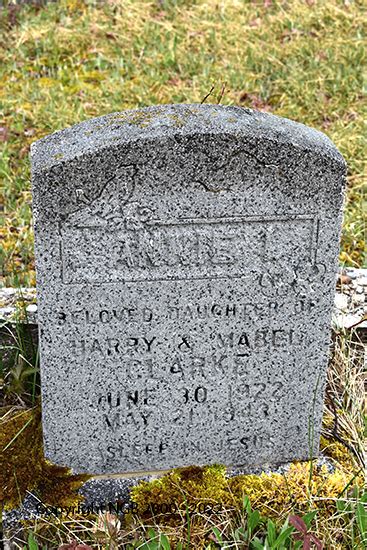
pixel 71 60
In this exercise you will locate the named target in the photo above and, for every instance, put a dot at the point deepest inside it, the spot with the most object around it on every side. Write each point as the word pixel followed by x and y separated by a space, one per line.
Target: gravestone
pixel 186 261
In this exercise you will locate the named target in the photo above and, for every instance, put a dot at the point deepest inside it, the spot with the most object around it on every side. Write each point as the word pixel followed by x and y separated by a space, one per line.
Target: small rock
pixel 344 280
pixel 358 299
pixel 8 291
pixel 352 273
pixel 350 321
pixel 341 301
pixel 5 312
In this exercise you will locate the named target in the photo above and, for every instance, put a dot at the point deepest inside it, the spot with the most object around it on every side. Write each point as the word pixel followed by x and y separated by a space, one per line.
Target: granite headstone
pixel 186 260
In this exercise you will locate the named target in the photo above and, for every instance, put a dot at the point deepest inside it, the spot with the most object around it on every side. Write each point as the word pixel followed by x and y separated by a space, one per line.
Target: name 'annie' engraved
pixel 182 249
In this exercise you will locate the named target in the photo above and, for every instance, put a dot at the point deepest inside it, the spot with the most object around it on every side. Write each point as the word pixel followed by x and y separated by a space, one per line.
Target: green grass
pixel 72 60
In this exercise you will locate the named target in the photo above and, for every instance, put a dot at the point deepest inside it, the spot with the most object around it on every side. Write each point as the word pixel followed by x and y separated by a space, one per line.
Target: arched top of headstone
pixel 170 121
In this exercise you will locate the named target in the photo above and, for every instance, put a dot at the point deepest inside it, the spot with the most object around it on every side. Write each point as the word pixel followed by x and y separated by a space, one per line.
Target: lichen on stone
pixel 142 118
pixel 136 118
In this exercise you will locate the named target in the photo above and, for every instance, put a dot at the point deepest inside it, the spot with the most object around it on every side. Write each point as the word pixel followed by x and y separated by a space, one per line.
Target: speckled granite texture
pixel 186 262
pixel 350 302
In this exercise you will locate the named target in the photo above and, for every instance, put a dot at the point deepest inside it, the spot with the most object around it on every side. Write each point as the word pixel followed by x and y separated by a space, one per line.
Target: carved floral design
pixel 112 206
pixel 280 280
pixel 308 274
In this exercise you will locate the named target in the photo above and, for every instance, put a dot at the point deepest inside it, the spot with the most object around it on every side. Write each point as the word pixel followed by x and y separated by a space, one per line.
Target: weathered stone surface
pixel 186 266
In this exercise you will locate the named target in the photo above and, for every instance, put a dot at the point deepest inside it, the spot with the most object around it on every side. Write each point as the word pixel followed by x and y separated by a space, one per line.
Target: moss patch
pixel 304 486
pixel 23 466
